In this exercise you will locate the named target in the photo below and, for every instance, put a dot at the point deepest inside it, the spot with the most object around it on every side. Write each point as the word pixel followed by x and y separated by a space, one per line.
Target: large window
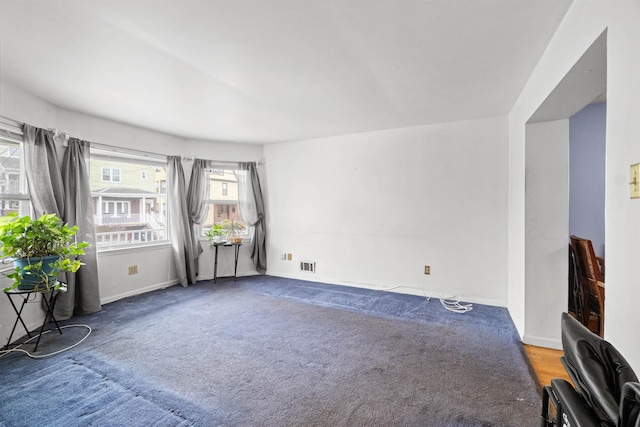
pixel 128 193
pixel 14 197
pixel 223 201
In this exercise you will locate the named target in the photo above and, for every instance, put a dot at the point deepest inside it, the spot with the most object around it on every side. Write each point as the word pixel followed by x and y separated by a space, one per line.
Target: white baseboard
pixel 138 291
pixel 542 342
pixel 409 290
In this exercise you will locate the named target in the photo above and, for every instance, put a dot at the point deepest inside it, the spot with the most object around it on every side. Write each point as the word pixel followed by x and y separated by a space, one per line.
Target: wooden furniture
pixel 590 279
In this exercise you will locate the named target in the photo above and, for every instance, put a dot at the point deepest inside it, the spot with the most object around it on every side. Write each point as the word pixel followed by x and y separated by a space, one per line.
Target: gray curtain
pixel 43 174
pixel 252 211
pixel 83 291
pixel 197 205
pixel 183 250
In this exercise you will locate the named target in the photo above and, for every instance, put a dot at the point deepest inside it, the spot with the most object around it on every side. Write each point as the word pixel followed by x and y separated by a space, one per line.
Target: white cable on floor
pixel 42 356
pixel 453 304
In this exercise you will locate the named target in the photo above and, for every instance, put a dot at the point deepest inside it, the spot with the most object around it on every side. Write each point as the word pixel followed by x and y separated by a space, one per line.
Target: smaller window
pixel 110 175
pixel 116 208
pixel 223 202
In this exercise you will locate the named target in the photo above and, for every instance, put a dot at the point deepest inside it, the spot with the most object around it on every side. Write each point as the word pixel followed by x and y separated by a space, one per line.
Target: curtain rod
pixel 15 127
pixel 130 151
pixel 221 162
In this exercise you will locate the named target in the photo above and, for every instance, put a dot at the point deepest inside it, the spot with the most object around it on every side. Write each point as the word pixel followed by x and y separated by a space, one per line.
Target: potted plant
pixel 41 249
pixel 233 229
pixel 215 234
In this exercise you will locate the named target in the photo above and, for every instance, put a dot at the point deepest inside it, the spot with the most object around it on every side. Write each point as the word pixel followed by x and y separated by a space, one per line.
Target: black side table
pixel 236 247
pixel 49 299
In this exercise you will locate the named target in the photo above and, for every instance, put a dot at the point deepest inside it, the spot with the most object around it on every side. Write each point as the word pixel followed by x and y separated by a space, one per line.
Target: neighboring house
pixel 9 178
pixel 9 183
pixel 223 198
pixel 129 202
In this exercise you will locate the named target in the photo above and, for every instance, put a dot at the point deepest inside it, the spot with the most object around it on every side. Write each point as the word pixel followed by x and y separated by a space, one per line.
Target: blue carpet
pixel 70 392
pixel 268 351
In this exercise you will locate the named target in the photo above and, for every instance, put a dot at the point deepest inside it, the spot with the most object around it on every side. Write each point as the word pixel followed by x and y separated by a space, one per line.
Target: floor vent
pixel 308 266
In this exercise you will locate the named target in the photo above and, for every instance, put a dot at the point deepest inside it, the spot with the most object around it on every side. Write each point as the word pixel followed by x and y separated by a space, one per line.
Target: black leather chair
pixel 606 393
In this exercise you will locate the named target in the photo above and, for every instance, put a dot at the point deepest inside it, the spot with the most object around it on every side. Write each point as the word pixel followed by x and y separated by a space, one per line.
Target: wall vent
pixel 308 266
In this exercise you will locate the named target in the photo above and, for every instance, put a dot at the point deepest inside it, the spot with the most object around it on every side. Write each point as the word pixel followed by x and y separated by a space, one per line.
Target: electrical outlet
pixel 133 269
pixel 289 257
pixel 427 269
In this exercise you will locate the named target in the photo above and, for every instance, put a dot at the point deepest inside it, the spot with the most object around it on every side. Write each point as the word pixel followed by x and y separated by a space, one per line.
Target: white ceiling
pixel 263 71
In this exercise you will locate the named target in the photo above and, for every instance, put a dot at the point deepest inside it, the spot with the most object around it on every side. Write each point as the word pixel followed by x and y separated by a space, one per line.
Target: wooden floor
pixel 546 364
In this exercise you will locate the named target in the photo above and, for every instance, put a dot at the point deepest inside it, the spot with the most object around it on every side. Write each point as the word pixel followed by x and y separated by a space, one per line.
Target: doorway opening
pixel 587 149
pixel 548 164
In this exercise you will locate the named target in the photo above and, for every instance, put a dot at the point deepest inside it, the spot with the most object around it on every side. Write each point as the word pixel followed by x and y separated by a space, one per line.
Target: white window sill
pixel 122 249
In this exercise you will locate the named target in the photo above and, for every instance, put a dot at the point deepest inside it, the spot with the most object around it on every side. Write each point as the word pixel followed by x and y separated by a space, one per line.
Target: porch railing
pixel 115 238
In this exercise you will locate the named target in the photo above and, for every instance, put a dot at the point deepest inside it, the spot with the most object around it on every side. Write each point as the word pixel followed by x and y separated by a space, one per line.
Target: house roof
pixel 121 191
pixel 263 71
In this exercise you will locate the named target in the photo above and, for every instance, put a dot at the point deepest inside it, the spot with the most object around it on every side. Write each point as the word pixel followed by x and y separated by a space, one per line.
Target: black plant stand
pixel 236 247
pixel 49 299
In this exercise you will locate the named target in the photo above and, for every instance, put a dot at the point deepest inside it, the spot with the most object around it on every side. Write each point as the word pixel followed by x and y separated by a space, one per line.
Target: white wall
pixel 584 22
pixel 373 209
pixel 19 105
pixel 155 263
pixel 546 228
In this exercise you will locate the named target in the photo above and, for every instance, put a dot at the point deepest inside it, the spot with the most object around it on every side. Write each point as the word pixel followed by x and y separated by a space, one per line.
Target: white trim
pixel 118 250
pixel 15 196
pixel 10 130
pixel 542 342
pixel 144 290
pixel 109 152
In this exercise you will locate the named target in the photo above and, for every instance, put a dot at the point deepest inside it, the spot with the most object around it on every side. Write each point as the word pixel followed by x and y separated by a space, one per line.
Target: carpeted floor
pixel 268 351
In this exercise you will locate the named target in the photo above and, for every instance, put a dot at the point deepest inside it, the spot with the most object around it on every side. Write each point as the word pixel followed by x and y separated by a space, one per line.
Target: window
pixel 128 193
pixel 14 196
pixel 110 175
pixel 223 201
pixel 116 208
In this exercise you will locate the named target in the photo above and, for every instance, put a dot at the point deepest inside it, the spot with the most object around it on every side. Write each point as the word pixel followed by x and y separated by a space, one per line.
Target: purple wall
pixel 587 142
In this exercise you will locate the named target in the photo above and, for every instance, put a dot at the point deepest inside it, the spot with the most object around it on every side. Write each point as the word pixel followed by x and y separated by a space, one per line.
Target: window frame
pixel 216 175
pixel 115 211
pixel 22 196
pixel 111 175
pixel 151 203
